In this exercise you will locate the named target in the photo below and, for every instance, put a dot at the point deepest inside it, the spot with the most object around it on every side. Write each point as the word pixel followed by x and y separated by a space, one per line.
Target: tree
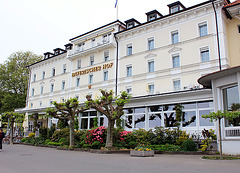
pixel 111 107
pixel 67 110
pixel 230 115
pixel 13 118
pixel 14 76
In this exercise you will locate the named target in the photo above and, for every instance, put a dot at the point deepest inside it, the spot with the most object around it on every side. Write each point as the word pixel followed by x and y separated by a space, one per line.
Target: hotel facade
pixel 159 62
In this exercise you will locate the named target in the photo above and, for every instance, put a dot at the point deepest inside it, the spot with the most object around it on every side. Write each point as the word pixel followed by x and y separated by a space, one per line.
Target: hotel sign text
pixel 93 69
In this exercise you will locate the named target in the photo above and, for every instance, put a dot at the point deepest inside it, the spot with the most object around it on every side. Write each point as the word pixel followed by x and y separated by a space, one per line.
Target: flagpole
pixel 117 12
pixel 116 6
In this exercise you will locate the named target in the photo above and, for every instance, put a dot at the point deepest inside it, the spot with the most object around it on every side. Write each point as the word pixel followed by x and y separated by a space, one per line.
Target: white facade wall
pixel 163 77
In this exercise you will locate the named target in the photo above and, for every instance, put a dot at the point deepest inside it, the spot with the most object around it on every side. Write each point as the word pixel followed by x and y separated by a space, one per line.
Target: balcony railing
pixel 87 48
pixel 232 132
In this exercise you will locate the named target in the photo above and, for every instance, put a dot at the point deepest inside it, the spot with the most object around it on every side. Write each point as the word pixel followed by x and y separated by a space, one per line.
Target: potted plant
pixel 142 151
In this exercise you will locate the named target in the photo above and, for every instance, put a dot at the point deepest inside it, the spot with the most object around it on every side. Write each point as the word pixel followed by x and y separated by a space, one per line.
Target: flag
pixel 116 3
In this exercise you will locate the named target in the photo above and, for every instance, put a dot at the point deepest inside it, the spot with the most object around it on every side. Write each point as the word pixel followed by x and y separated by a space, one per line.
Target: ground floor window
pixel 231 103
pixel 155 116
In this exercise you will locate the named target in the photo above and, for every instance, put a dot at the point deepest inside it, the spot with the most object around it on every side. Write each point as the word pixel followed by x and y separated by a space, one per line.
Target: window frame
pixel 173 33
pixel 43 74
pixel 63 85
pixel 105 75
pixel 79 64
pixel 151 88
pixel 174 86
pixel 51 87
pixel 106 55
pixel 127 70
pixel 200 25
pixel 129 47
pixel 151 70
pixel 78 82
pixel 149 40
pixel 53 72
pixel 178 64
pixel 90 80
pixel 64 68
pixel 91 60
pixel 202 50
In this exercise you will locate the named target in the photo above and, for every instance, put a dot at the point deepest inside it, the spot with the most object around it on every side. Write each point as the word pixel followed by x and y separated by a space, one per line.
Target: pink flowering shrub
pixel 98 134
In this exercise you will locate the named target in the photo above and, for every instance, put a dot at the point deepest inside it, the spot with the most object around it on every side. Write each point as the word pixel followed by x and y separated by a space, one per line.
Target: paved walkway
pixel 29 159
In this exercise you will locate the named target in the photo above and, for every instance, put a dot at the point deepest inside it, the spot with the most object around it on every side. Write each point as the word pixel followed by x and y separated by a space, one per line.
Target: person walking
pixel 2 135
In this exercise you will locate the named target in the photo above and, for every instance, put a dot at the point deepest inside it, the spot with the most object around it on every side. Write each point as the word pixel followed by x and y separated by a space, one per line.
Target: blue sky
pixel 43 25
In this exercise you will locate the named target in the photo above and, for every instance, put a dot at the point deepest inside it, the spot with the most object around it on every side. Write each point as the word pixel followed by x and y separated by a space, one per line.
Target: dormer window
pixel 175 7
pixel 152 17
pixel 130 25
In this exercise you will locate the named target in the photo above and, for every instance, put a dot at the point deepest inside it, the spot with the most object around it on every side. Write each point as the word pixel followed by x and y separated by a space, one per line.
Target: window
pixel 174 9
pixel 34 77
pixel 150 43
pixel 64 68
pixel 31 105
pixel 176 61
pixel 43 74
pixel 203 29
pixel 151 88
pixel 130 25
pixel 50 102
pixel 128 90
pixel 129 71
pixel 129 49
pixel 106 38
pixel 93 42
pixel 152 17
pixel 150 66
pixel 176 85
pixel 53 72
pixel 78 64
pixel 231 103
pixel 90 79
pixel 78 81
pixel 106 55
pixel 40 103
pixel 41 89
pixel 105 75
pixel 63 85
pixel 81 46
pixel 51 88
pixel 32 91
pixel 204 54
pixel 174 36
pixel 92 60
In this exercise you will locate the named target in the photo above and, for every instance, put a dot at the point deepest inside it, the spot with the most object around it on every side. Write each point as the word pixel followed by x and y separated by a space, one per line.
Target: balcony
pixel 87 49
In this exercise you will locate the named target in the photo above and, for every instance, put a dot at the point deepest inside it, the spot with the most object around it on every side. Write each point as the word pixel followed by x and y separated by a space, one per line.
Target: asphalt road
pixel 29 159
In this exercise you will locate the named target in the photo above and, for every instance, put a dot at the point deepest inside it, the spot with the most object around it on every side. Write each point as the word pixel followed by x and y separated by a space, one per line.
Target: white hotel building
pixel 158 62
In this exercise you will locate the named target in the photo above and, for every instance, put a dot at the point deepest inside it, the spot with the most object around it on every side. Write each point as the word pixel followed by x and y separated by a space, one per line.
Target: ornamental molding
pixel 150 55
pixel 175 49
pixel 52 80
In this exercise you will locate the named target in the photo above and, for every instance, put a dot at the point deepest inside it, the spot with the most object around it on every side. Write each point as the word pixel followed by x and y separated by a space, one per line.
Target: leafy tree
pixel 14 76
pixel 230 115
pixel 13 118
pixel 67 110
pixel 111 107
